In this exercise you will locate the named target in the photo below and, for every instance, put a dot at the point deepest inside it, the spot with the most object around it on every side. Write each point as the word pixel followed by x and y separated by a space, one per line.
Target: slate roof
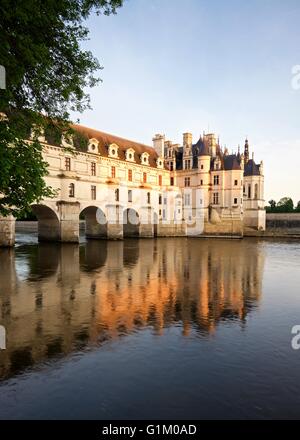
pixel 105 139
pixel 251 169
pixel 231 162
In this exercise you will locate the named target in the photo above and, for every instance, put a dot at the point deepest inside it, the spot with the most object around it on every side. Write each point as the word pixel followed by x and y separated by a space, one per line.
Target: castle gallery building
pixel 126 189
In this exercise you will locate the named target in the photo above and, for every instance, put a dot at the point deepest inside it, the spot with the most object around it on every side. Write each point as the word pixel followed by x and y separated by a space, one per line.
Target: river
pixel 171 328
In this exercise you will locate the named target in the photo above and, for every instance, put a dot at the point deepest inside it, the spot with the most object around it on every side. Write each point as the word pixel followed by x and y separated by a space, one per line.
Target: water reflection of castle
pixel 62 298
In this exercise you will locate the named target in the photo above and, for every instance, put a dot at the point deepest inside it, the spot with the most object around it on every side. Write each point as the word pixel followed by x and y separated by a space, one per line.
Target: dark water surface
pixel 166 328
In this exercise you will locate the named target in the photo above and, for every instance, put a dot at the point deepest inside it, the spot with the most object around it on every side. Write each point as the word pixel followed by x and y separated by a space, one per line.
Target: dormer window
pixel 145 158
pixel 159 162
pixel 217 165
pixel 93 145
pixel 130 155
pixel 113 150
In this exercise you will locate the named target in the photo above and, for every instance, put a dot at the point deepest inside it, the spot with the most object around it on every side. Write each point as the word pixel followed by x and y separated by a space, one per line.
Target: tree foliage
pixel 47 73
pixel 284 205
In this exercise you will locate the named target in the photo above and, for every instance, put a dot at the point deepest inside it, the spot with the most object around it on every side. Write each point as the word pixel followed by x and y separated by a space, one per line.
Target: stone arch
pixel 131 223
pixel 95 222
pixel 48 223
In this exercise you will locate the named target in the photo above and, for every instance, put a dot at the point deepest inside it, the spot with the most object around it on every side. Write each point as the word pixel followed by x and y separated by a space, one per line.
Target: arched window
pixel 71 190
pixel 249 191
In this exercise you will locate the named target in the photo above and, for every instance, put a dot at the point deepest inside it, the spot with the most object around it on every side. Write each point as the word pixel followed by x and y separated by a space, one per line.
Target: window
pixel 148 198
pixel 202 166
pixel 249 191
pixel 93 168
pixel 117 195
pixel 145 177
pixel 215 198
pixel 201 182
pixel 130 175
pixel 235 201
pixel 256 191
pixel 187 199
pixel 216 180
pixel 187 164
pixel 129 195
pixel 160 199
pixel 160 180
pixel 71 190
pixel 171 166
pixel 113 172
pixel 93 192
pixel 170 153
pixel 68 164
pixel 244 189
pixel 172 181
pixel 187 181
pixel 235 183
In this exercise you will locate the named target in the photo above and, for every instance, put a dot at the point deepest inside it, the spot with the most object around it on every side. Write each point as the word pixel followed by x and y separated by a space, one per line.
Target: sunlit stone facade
pixel 126 189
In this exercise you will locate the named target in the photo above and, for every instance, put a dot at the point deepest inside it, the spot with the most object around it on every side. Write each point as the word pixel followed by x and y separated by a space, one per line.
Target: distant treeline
pixel 28 216
pixel 285 204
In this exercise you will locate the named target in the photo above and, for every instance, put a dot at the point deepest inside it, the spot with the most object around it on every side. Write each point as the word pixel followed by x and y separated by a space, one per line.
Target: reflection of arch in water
pixel 93 255
pixel 131 223
pixel 48 223
pixel 43 259
pixel 95 222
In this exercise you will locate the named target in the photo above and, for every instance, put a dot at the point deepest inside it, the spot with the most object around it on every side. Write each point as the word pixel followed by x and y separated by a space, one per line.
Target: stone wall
pixel 278 225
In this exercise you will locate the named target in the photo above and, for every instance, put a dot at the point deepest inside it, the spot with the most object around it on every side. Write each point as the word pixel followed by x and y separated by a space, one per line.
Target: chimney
pixel 187 140
pixel 159 144
pixel 261 168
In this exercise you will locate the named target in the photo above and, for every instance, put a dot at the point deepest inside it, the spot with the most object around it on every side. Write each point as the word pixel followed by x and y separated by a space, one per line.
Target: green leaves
pixel 46 75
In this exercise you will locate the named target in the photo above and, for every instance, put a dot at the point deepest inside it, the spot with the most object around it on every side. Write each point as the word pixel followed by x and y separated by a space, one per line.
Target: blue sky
pixel 172 66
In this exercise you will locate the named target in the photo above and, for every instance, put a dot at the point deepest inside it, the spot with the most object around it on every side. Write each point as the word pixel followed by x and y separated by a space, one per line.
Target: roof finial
pixel 246 150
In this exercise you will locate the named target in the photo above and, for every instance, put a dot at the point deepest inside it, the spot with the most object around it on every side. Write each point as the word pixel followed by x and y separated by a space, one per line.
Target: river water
pixel 167 328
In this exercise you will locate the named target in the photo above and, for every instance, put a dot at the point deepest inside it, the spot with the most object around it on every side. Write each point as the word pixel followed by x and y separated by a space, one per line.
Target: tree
pixel 47 73
pixel 272 206
pixel 285 204
pixel 297 209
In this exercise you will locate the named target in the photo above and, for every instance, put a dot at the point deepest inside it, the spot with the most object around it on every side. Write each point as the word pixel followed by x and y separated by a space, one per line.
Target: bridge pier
pixel 68 221
pixel 146 224
pixel 114 224
pixel 7 231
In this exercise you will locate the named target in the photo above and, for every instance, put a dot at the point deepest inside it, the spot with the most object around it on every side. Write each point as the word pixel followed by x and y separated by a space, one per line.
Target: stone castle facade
pixel 126 189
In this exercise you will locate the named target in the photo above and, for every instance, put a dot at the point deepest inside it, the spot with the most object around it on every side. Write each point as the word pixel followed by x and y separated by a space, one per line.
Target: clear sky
pixel 172 66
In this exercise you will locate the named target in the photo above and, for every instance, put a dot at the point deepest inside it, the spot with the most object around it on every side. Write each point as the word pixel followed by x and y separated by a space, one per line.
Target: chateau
pixel 126 189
